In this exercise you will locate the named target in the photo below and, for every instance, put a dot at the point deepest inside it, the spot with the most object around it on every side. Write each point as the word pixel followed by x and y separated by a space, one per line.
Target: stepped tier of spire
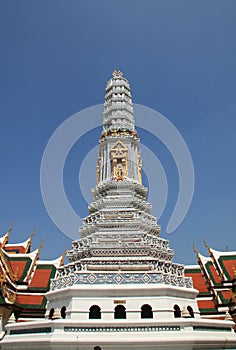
pixel 118 107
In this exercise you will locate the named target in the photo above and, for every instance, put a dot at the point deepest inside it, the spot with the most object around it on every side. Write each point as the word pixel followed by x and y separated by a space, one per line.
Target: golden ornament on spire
pixel 117 73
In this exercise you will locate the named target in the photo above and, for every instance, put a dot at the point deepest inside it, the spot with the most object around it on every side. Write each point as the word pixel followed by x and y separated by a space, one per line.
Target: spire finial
pixel 117 73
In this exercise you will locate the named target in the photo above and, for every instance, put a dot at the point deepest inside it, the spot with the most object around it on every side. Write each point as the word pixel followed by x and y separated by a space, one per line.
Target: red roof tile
pixel 14 249
pixel 198 280
pixel 19 265
pixel 225 296
pixel 205 305
pixel 213 274
pixel 228 263
pixel 30 299
pixel 41 278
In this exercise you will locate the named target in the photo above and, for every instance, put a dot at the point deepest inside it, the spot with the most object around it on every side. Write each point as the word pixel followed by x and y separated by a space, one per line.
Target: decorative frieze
pixel 124 329
pixel 120 278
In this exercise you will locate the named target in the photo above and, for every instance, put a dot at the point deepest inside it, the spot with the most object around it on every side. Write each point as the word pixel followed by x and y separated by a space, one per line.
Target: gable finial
pixel 207 246
pixel 7 235
pixel 11 228
pixel 63 256
pixel 195 250
pixel 27 250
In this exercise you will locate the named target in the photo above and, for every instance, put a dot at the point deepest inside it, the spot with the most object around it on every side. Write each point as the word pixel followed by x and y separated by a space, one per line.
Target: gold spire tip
pixel 117 73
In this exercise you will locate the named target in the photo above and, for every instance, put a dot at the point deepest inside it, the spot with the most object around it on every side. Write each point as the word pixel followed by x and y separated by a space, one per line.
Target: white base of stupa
pixel 68 335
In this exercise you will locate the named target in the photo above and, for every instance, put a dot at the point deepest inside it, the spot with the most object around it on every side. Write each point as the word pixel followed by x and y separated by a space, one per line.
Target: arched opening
pixel 95 312
pixel 190 310
pixel 51 313
pixel 63 312
pixel 120 312
pixel 177 311
pixel 146 311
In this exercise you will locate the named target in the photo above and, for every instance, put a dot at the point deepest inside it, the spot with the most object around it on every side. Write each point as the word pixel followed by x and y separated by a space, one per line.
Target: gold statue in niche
pixel 139 169
pixel 119 172
pixel 119 169
pixel 98 169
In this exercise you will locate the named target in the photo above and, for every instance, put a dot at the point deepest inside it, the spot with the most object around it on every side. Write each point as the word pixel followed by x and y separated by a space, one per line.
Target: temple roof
pixel 213 277
pixel 24 278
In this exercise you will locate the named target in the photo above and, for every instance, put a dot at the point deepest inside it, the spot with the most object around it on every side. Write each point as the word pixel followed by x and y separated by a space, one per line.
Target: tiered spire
pixel 118 107
pixel 120 233
pixel 119 154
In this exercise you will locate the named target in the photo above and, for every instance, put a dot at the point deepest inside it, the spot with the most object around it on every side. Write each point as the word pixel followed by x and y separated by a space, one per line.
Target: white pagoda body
pixel 120 288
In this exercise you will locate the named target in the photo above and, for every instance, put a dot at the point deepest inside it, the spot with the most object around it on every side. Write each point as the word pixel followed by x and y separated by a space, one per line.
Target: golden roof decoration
pixel 195 250
pixel 41 246
pixel 220 273
pixel 63 256
pixel 27 249
pixel 34 262
pixel 7 235
pixel 207 246
pixel 3 278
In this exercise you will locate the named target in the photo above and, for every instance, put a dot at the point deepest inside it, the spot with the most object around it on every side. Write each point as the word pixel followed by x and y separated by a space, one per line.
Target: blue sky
pixel 179 57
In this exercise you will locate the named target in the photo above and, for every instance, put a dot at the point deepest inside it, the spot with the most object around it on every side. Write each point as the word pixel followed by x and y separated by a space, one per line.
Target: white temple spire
pixel 118 107
pixel 119 154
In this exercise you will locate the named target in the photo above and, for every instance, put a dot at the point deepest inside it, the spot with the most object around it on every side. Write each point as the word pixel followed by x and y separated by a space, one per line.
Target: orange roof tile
pixel 41 278
pixel 16 249
pixel 205 305
pixel 198 280
pixel 213 273
pixel 19 265
pixel 225 296
pixel 228 263
pixel 30 299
